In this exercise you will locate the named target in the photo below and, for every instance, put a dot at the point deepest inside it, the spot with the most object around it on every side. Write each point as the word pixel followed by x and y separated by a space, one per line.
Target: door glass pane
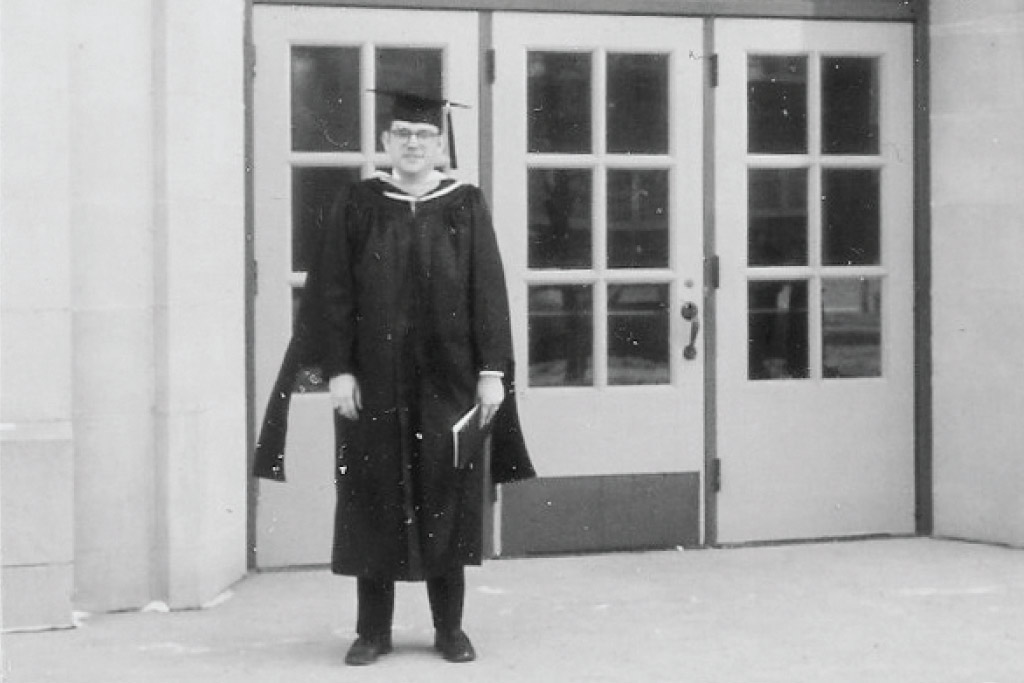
pixel 638 334
pixel 559 206
pixel 637 104
pixel 777 329
pixel 325 99
pixel 777 215
pixel 852 327
pixel 417 71
pixel 558 102
pixel 638 219
pixel 849 105
pixel 561 334
pixel 850 217
pixel 313 194
pixel 314 191
pixel 308 379
pixel 777 105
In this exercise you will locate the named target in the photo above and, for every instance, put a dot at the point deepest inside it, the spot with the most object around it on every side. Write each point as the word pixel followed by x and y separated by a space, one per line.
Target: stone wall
pixel 123 305
pixel 977 110
pixel 36 445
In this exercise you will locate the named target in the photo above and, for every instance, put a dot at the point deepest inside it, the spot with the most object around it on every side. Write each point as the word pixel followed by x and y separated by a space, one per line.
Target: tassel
pixel 453 160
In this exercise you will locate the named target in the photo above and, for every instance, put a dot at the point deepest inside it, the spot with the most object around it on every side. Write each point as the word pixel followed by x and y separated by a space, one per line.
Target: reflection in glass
pixel 638 334
pixel 852 327
pixel 638 219
pixel 561 333
pixel 325 99
pixel 560 230
pixel 849 103
pixel 850 217
pixel 777 217
pixel 308 379
pixel 777 329
pixel 637 104
pixel 776 105
pixel 313 194
pixel 558 101
pixel 417 71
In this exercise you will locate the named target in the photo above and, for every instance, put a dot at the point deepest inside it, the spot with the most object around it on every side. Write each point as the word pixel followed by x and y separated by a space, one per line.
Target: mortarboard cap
pixel 414 108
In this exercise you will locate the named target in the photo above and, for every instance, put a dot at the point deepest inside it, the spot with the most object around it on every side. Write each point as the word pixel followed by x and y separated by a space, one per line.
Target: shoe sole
pixel 461 659
pixel 367 662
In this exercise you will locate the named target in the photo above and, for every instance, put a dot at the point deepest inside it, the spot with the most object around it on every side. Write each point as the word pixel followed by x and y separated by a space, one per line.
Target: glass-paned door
pixel 598 199
pixel 317 129
pixel 814 227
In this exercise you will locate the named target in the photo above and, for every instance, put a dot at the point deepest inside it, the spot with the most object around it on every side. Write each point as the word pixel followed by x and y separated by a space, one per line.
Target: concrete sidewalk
pixel 898 611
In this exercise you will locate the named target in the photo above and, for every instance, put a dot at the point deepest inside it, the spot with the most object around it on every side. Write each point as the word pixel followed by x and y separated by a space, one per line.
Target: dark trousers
pixel 376 597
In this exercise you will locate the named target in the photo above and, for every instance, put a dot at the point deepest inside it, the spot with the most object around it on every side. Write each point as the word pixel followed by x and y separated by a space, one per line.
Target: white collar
pixel 401 195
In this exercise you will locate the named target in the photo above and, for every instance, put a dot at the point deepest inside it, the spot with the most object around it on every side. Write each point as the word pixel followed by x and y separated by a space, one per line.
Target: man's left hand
pixel 490 392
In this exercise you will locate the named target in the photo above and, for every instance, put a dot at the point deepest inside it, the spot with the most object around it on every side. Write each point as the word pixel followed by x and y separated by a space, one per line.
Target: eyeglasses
pixel 421 135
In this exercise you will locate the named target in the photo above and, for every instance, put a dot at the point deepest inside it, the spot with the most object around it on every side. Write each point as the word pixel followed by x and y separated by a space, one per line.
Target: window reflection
pixel 638 234
pixel 852 327
pixel 638 324
pixel 325 99
pixel 777 215
pixel 849 102
pixel 558 102
pixel 777 330
pixel 637 103
pixel 561 333
pixel 850 217
pixel 560 230
pixel 314 191
pixel 777 105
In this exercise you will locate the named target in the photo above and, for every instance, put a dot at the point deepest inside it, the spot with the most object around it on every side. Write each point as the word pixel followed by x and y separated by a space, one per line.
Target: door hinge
pixel 491 65
pixel 715 474
pixel 713 70
pixel 712 272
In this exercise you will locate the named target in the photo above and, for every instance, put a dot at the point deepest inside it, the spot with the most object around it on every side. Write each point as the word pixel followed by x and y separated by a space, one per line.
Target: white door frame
pixel 602 429
pixel 863 483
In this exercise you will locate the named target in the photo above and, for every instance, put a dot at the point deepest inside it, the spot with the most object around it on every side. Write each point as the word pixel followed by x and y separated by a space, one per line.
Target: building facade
pixel 761 259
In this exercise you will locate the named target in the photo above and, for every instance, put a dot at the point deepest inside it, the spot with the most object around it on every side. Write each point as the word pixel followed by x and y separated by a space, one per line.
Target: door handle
pixel 689 312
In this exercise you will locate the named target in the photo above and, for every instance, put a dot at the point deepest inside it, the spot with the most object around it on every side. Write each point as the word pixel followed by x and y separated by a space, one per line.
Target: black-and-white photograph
pixel 625 341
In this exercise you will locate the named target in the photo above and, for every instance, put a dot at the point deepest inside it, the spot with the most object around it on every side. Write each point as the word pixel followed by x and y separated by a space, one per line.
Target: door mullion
pixel 599 214
pixel 600 334
pixel 600 226
pixel 368 106
pixel 599 109
pixel 814 215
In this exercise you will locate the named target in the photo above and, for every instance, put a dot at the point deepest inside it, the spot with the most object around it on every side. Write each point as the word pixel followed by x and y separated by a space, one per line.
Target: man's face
pixel 414 148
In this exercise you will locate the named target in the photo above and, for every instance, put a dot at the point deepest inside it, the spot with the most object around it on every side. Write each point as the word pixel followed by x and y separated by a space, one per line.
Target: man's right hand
pixel 345 396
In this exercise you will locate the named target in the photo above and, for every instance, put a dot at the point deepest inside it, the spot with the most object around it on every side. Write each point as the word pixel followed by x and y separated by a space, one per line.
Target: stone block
pixel 37 597
pixel 113 362
pixel 114 490
pixel 37 499
pixel 35 362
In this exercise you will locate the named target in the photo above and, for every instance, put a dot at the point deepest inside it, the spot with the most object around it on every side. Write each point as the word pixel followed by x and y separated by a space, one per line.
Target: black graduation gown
pixel 409 296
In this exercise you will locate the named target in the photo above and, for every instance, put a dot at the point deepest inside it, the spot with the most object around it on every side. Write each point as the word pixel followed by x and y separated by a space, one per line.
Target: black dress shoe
pixel 366 649
pixel 454 646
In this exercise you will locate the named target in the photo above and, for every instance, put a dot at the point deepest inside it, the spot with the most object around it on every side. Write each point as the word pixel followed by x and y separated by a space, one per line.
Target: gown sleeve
pixel 492 334
pixel 337 289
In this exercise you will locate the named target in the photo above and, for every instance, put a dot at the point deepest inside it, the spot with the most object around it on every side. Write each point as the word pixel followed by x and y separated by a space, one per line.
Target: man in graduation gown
pixel 406 311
